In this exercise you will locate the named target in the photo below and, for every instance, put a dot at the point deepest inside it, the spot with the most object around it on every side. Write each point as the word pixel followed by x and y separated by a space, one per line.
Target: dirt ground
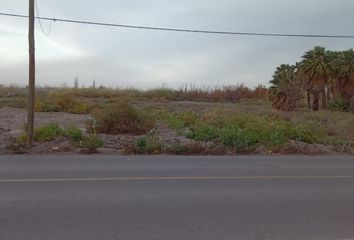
pixel 12 124
pixel 256 106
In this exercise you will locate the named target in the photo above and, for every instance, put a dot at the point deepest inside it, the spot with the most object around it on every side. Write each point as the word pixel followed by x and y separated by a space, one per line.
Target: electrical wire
pixel 183 30
pixel 40 22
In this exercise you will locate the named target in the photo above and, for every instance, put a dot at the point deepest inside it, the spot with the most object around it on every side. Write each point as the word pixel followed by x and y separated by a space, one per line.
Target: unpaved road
pixel 168 197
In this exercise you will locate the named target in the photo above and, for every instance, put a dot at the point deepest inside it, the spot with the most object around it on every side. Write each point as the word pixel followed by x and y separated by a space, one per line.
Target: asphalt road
pixel 164 197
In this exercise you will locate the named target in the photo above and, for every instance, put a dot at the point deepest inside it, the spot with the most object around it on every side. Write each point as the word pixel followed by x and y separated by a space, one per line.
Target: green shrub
pixel 188 118
pixel 175 123
pixel 48 133
pixel 147 145
pixel 74 133
pixel 203 133
pixel 91 143
pixel 178 121
pixel 238 138
pixel 245 132
pixel 121 117
pixel 309 133
pixel 339 105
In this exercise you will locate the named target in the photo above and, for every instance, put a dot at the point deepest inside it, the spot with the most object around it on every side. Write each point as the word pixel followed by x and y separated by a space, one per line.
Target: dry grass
pixel 192 93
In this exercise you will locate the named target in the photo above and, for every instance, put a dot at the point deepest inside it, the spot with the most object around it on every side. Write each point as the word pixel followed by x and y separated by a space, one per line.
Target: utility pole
pixel 32 75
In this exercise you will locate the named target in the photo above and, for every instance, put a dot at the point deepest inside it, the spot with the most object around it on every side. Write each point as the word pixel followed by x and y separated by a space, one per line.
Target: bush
pixel 74 134
pixel 78 108
pixel 203 133
pixel 245 132
pixel 146 145
pixel 121 117
pixel 91 143
pixel 339 105
pixel 62 102
pixel 171 119
pixel 309 133
pixel 48 133
pixel 238 138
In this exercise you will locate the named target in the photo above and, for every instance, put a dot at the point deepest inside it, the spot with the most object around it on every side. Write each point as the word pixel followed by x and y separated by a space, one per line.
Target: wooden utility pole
pixel 32 75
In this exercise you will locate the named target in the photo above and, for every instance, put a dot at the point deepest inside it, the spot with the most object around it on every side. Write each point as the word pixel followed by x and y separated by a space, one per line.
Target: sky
pixel 119 57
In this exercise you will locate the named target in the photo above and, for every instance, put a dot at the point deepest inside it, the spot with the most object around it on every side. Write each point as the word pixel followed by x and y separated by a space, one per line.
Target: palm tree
pixel 334 88
pixel 302 80
pixel 285 91
pixel 346 73
pixel 345 76
pixel 316 70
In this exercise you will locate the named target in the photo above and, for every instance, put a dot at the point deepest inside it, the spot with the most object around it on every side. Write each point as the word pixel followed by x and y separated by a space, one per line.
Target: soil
pixel 12 123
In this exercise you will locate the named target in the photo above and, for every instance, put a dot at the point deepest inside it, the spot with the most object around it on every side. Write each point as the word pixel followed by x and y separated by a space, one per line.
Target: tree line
pixel 325 78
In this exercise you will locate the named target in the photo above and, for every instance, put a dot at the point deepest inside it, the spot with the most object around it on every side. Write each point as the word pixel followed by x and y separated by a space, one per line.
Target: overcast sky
pixel 146 59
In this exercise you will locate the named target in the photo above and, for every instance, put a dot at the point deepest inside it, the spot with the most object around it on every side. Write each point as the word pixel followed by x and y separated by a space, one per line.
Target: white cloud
pixel 126 57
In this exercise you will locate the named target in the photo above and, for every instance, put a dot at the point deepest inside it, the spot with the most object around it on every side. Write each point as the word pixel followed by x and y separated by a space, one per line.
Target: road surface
pixel 177 198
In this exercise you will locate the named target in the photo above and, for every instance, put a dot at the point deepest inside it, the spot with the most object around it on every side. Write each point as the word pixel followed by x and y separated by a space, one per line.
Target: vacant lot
pixel 136 123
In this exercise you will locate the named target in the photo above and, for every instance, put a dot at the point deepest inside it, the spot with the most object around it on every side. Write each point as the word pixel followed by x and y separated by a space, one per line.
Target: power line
pixel 182 30
pixel 40 22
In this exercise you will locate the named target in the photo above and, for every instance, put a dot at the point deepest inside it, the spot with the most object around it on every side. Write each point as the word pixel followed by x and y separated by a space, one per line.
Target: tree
pixel 345 77
pixel 346 74
pixel 285 92
pixel 315 68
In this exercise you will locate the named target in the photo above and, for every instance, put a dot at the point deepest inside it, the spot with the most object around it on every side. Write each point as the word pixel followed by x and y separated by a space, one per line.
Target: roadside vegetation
pixel 121 117
pixel 308 105
pixel 87 142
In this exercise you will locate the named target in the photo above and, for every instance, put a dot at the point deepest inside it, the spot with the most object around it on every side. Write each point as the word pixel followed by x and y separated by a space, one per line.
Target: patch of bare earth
pixel 12 124
pixel 118 143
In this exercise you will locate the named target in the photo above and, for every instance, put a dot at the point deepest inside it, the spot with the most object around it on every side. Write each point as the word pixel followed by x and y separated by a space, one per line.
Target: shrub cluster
pixel 60 102
pixel 53 131
pixel 241 132
pixel 149 144
pixel 121 117
pixel 339 105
